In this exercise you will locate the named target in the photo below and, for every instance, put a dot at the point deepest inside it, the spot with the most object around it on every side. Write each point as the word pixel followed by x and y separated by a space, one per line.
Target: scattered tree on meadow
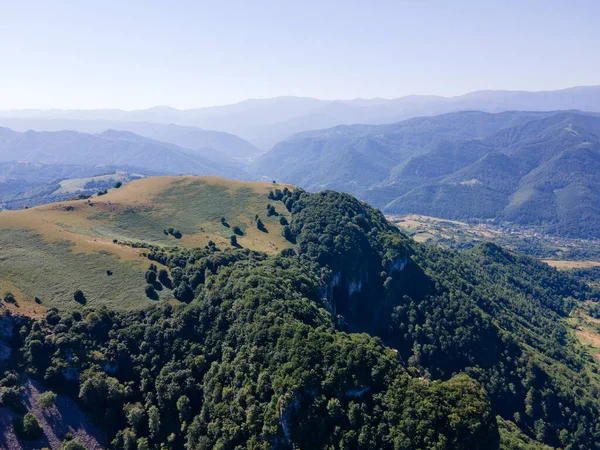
pixel 79 297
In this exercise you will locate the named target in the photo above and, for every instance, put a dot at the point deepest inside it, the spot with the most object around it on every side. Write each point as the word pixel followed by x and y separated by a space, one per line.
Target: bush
pixel 11 398
pixel 150 277
pixel 47 400
pixel 163 277
pixel 38 300
pixel 150 291
pixel 79 297
pixel 288 234
pixel 74 444
pixel 260 225
pixel 28 428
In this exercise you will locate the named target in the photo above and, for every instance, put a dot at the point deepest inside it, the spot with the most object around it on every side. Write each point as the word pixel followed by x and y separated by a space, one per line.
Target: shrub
pixel 73 444
pixel 47 400
pixel 28 428
pixel 38 300
pixel 260 225
pixel 150 291
pixel 11 398
pixel 288 234
pixel 163 277
pixel 108 272
pixel 150 277
pixel 79 297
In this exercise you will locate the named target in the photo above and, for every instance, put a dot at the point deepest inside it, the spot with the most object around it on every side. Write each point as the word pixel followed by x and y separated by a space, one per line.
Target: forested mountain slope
pixel 355 337
pixel 530 168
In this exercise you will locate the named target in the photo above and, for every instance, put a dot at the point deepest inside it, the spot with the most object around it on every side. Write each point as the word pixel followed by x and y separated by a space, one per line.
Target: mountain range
pixel 531 168
pixel 110 148
pixel 264 122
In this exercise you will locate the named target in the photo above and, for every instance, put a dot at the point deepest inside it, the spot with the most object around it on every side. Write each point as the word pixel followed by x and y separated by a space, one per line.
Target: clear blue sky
pixel 135 54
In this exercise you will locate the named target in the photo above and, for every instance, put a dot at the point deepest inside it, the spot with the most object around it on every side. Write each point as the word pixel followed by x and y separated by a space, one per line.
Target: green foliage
pixel 28 428
pixel 47 400
pixel 448 350
pixel 73 444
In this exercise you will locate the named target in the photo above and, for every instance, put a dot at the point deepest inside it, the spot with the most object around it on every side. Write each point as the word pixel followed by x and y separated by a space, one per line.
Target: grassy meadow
pixel 52 250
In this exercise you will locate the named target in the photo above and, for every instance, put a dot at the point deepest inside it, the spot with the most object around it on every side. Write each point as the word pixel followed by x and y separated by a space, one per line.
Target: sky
pixel 134 54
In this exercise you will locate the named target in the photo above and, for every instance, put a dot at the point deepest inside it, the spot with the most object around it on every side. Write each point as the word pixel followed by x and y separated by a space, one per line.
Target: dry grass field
pixel 51 250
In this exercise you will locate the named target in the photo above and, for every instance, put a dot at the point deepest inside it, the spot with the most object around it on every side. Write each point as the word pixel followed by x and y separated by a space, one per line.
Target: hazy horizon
pixel 301 98
pixel 185 54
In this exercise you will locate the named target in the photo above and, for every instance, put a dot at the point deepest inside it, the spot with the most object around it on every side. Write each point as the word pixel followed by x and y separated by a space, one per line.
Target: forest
pixel 355 338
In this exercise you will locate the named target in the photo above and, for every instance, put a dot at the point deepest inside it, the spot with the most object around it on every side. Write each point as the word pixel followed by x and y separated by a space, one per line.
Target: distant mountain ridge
pixel 227 146
pixel 265 122
pixel 532 168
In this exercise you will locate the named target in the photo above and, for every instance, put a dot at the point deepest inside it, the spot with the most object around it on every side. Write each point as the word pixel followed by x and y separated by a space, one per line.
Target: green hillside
pixel 355 337
pixel 81 240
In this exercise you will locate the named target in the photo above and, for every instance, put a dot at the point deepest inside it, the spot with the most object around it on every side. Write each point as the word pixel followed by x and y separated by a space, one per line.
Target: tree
pixel 163 277
pixel 150 277
pixel 28 428
pixel 79 297
pixel 153 420
pixel 150 291
pixel 118 184
pixel 184 407
pixel 260 225
pixel 234 241
pixel 73 444
pixel 47 400
pixel 237 230
pixel 288 234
